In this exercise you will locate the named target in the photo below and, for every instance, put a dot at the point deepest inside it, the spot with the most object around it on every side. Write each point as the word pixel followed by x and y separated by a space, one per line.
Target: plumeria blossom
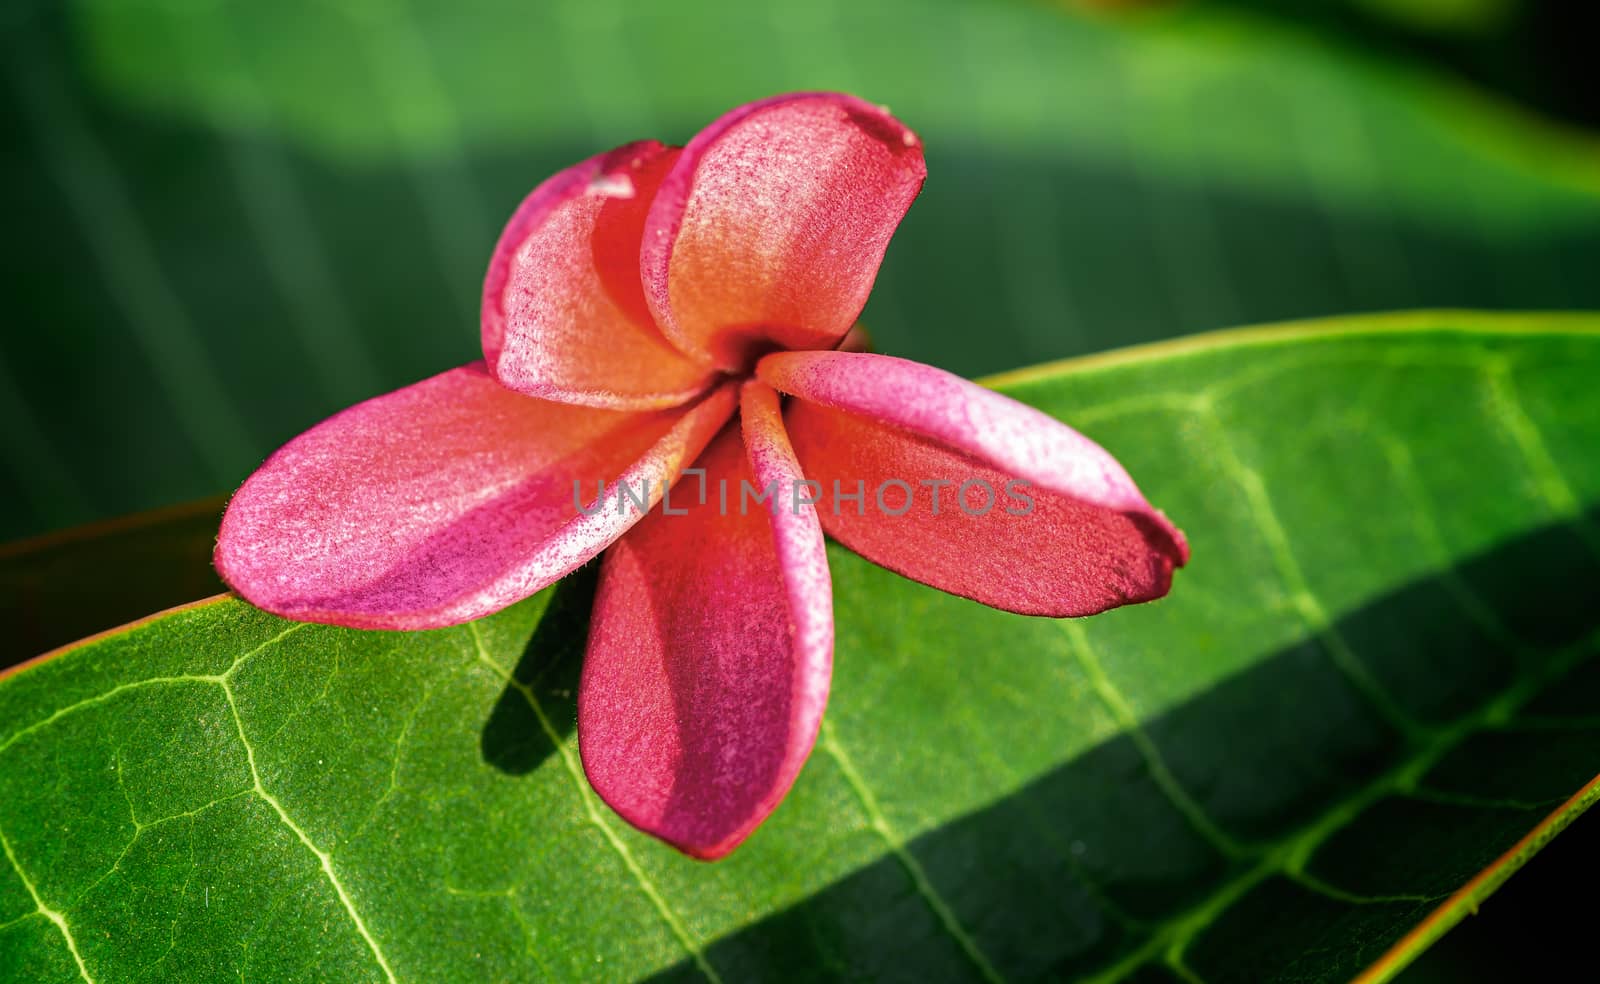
pixel 654 309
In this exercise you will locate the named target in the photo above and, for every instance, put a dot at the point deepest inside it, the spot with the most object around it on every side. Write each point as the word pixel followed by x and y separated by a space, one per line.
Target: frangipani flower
pixel 656 308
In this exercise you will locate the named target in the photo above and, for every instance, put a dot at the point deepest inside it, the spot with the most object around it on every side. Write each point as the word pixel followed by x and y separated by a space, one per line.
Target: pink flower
pixel 642 313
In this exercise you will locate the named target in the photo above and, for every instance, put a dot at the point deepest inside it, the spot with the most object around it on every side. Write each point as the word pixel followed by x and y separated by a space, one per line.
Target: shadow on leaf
pixel 513 740
pixel 1088 864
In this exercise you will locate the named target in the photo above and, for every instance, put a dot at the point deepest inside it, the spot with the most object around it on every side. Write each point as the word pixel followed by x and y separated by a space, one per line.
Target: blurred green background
pixel 228 220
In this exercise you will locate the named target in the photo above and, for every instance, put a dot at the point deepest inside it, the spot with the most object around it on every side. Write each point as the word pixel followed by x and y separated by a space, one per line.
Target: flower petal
pixel 564 314
pixel 1089 542
pixel 769 230
pixel 710 651
pixel 443 501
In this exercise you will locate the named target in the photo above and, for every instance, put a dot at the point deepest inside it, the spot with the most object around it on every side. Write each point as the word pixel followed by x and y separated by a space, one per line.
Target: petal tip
pixel 673 835
pixel 728 258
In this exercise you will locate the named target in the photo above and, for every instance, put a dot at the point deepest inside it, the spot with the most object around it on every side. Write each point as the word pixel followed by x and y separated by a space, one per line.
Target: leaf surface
pixel 1369 698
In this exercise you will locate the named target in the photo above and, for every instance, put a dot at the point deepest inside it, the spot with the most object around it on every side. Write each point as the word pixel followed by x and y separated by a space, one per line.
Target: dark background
pixel 228 220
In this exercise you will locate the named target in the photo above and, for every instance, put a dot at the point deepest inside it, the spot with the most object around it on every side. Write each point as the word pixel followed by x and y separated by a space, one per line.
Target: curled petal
pixel 443 501
pixel 1048 524
pixel 710 651
pixel 770 227
pixel 564 314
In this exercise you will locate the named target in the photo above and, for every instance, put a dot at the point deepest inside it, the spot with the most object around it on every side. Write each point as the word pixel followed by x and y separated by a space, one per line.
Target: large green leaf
pixel 1374 685
pixel 216 197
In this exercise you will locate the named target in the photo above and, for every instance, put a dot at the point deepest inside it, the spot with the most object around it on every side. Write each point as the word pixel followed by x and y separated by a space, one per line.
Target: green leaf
pixel 1093 182
pixel 1367 701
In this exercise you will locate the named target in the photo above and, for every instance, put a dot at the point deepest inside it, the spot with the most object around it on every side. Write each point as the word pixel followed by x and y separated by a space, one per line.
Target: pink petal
pixel 769 229
pixel 710 651
pixel 1090 542
pixel 443 501
pixel 564 314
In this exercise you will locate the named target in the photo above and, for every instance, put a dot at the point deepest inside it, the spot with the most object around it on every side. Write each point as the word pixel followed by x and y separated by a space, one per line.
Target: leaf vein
pixel 99 699
pixel 1289 854
pixel 596 819
pixel 919 878
pixel 55 917
pixel 1122 712
pixel 323 857
pixel 1332 891
pixel 1403 465
pixel 118 690
pixel 1310 609
pixel 1524 433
